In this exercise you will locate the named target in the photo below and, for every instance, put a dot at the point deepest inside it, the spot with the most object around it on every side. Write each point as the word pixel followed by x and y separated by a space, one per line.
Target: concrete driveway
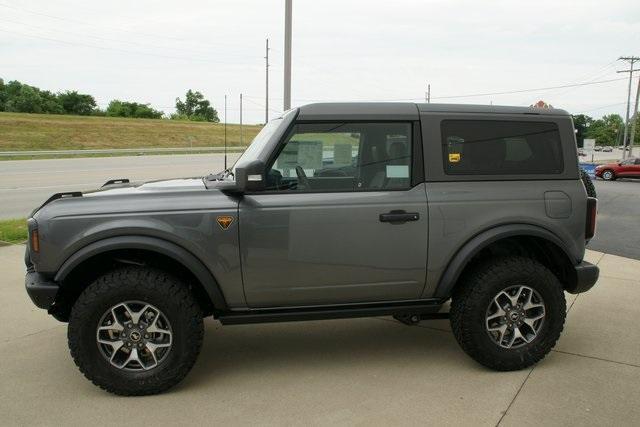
pixel 364 371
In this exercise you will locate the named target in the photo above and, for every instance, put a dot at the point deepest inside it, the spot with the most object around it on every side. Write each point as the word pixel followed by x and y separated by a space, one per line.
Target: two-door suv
pixel 334 211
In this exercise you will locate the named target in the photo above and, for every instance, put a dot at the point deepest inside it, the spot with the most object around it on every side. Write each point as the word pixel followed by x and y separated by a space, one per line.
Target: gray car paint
pixel 324 248
pixel 183 212
pixel 335 239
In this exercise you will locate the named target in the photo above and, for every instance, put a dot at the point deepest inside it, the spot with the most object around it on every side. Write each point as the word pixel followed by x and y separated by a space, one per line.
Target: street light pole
pixel 631 60
pixel 266 73
pixel 635 121
pixel 287 55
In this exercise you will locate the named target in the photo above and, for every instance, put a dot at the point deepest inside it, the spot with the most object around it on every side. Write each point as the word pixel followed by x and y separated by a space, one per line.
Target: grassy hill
pixel 20 131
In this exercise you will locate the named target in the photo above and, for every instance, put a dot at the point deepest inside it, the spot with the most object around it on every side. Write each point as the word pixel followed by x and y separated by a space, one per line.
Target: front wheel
pixel 135 331
pixel 507 314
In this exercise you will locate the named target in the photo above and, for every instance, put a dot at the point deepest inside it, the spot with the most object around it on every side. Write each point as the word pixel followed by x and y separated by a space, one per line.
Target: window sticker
pixel 342 154
pixel 397 171
pixel 454 157
pixel 288 159
pixel 310 154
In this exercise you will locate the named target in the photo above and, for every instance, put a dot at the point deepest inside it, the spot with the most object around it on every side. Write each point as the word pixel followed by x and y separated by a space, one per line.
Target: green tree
pixel 77 103
pixel 3 94
pixel 195 107
pixel 118 108
pixel 24 99
pixel 581 123
pixel 606 131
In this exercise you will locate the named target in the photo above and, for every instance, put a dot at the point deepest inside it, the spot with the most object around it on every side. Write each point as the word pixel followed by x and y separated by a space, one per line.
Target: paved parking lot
pixel 364 371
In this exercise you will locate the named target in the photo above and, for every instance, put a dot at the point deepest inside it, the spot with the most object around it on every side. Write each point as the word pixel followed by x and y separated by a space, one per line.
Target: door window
pixel 343 157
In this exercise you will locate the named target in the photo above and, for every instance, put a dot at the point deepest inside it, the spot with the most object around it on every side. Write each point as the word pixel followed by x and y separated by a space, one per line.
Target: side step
pixel 424 308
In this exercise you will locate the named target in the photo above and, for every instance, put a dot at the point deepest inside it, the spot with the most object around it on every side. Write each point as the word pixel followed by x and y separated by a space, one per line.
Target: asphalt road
pixel 27 183
pixel 618 226
pixel 24 184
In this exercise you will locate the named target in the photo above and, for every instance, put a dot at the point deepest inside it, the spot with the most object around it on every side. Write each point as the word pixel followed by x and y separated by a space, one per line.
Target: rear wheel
pixel 608 175
pixel 135 331
pixel 507 314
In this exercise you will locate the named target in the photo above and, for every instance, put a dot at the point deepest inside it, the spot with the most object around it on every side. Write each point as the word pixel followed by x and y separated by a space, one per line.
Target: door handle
pixel 399 217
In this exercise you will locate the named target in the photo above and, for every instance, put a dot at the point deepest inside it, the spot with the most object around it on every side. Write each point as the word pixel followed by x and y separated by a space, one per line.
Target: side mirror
pixel 250 177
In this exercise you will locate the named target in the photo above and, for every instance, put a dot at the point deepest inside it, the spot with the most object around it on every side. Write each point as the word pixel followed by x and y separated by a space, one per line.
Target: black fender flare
pixel 480 241
pixel 152 244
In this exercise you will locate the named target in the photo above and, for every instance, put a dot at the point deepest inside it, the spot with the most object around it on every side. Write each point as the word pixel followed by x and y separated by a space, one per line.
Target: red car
pixel 629 168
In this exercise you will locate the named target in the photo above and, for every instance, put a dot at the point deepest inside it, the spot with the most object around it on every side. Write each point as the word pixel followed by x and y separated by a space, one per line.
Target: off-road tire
pixel 588 184
pixel 473 295
pixel 155 287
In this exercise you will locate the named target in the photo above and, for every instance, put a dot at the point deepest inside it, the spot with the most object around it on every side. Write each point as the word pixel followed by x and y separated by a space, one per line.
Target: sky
pixel 153 51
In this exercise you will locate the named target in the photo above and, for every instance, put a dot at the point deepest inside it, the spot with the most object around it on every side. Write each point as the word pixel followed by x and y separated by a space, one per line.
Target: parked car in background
pixel 607 149
pixel 581 153
pixel 629 168
pixel 597 148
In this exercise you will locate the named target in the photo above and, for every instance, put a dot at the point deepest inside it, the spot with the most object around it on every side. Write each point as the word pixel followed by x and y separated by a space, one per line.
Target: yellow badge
pixel 454 157
pixel 224 221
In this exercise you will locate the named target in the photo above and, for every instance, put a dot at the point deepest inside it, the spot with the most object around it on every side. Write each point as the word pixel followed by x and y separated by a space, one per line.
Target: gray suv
pixel 334 211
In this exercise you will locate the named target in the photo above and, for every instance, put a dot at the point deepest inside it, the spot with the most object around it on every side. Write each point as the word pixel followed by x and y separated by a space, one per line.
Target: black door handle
pixel 399 217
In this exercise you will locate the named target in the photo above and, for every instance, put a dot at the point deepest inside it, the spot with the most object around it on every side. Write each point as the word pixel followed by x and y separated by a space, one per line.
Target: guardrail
pixel 233 149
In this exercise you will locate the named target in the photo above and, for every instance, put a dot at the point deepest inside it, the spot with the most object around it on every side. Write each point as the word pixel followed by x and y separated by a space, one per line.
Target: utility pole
pixel 266 99
pixel 631 60
pixel 427 95
pixel 225 132
pixel 287 55
pixel 635 120
pixel 241 120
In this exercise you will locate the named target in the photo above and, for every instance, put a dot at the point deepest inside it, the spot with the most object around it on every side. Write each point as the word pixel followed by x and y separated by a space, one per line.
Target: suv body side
pixel 467 212
pixel 262 259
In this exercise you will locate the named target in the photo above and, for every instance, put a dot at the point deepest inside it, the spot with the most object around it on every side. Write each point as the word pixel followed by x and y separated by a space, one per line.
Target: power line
pixel 589 77
pixel 475 95
pixel 601 108
pixel 93 25
pixel 127 42
pixel 184 58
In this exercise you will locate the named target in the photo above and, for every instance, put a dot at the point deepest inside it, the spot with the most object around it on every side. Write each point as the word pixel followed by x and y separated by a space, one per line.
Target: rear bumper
pixel 586 275
pixel 41 290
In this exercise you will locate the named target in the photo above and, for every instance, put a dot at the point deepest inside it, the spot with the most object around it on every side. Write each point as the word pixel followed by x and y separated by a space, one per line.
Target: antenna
pixel 225 132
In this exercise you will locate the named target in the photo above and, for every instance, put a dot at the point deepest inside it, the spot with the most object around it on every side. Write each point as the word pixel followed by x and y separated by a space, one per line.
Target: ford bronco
pixel 335 210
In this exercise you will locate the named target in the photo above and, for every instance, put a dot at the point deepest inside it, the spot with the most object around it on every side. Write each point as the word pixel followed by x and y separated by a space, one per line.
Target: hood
pixel 123 190
pixel 173 185
pixel 608 165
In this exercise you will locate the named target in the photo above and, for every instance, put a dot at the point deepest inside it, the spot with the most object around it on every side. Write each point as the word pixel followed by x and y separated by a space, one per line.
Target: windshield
pixel 258 143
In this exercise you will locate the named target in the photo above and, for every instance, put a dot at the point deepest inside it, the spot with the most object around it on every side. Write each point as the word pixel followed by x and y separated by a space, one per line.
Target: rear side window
pixel 494 147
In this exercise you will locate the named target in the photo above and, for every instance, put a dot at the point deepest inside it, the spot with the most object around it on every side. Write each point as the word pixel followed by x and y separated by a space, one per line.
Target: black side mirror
pixel 250 177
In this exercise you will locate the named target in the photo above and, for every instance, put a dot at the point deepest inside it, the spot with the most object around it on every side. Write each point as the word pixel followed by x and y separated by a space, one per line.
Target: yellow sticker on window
pixel 454 157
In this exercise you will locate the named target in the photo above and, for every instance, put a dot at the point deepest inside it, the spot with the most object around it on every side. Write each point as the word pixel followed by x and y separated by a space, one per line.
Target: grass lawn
pixel 13 230
pixel 19 131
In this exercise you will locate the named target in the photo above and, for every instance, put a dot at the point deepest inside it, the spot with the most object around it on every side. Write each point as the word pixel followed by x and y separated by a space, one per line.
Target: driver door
pixel 340 221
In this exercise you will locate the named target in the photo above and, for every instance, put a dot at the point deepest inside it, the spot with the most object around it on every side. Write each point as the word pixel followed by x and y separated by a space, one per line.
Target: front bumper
pixel 586 275
pixel 41 290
